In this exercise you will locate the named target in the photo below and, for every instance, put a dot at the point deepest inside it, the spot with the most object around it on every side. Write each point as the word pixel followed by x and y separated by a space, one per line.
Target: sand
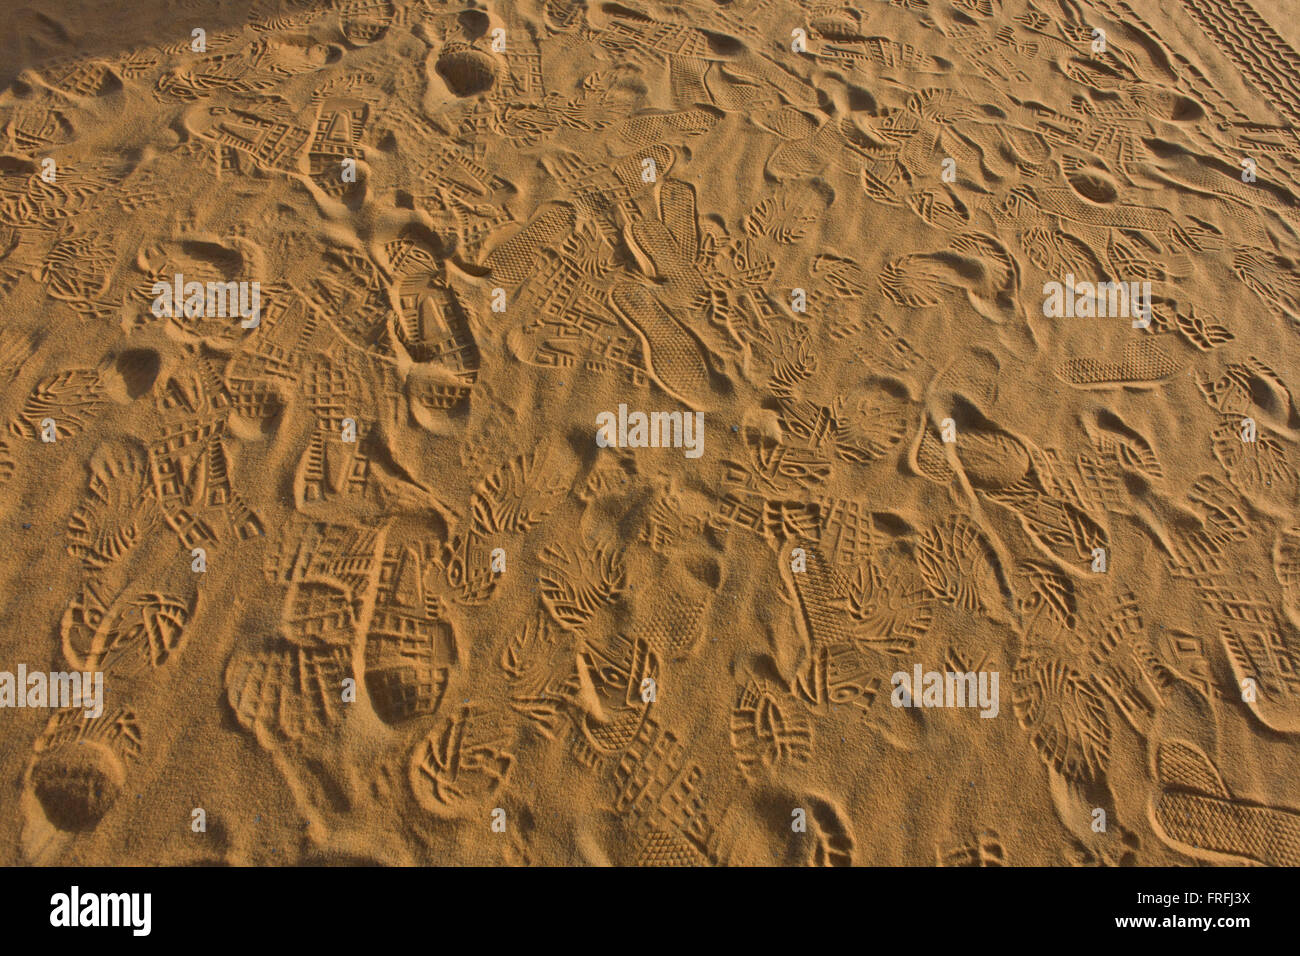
pixel 645 433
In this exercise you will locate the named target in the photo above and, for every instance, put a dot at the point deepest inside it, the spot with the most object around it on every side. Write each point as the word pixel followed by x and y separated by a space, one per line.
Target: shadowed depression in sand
pixel 737 433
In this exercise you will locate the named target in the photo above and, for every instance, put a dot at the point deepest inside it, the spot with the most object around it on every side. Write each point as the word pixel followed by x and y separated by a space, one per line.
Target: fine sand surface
pixel 367 583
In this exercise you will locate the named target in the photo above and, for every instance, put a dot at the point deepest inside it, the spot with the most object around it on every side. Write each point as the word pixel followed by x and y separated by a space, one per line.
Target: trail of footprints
pixel 376 523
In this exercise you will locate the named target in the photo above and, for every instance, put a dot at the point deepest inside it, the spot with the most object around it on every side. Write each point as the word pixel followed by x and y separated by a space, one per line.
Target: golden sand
pixel 548 432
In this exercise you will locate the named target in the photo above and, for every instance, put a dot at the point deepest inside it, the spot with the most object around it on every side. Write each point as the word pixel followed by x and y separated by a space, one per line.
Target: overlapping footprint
pixel 1196 813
